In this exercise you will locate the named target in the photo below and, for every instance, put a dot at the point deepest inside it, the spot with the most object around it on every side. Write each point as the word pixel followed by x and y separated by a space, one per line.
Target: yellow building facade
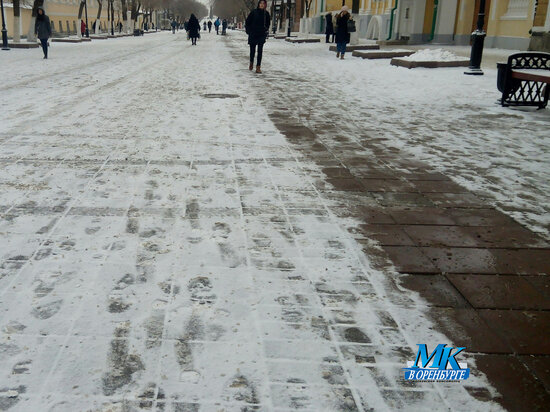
pixel 508 23
pixel 63 16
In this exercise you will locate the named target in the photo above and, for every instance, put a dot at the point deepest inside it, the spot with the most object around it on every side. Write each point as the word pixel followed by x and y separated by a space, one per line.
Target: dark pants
pixel 193 40
pixel 44 43
pixel 328 38
pixel 253 52
pixel 217 30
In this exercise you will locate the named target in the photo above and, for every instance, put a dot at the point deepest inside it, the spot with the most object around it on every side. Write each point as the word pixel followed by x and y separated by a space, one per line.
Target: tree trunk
pixel 16 21
pixel 30 34
pixel 124 15
pixel 80 10
pixel 98 22
pixel 112 18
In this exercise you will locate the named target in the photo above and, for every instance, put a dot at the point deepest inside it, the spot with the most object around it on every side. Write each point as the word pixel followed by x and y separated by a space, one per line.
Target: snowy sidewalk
pixel 163 248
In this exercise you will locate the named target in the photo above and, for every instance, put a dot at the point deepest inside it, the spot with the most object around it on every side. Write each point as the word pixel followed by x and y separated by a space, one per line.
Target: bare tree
pixel 30 34
pixel 16 21
pixel 97 21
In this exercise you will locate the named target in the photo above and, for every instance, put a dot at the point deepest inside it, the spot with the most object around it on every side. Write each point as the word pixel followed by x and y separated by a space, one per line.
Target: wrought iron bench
pixel 525 79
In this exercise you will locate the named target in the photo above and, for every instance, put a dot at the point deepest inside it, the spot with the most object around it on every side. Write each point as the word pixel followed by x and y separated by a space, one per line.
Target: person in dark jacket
pixel 329 31
pixel 193 26
pixel 342 34
pixel 257 28
pixel 224 27
pixel 209 26
pixel 217 25
pixel 43 29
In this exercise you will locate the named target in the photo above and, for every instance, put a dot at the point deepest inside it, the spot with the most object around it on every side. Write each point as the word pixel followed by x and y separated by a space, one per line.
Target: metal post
pixel 274 6
pixel 4 31
pixel 87 32
pixel 289 6
pixel 478 38
pixel 112 18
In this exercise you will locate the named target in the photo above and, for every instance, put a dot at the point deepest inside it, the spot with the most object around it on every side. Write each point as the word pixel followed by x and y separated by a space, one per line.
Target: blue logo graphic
pixel 444 367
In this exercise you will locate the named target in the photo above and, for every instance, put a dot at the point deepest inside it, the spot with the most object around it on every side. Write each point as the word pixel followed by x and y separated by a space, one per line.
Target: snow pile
pixel 437 55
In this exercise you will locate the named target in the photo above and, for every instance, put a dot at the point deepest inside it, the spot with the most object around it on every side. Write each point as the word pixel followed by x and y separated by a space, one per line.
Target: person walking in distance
pixel 342 34
pixel 82 28
pixel 43 29
pixel 217 25
pixel 209 26
pixel 204 25
pixel 329 31
pixel 194 27
pixel 257 28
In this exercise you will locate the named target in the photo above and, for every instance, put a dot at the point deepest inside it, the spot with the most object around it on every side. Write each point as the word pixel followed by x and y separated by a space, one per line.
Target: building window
pixel 517 10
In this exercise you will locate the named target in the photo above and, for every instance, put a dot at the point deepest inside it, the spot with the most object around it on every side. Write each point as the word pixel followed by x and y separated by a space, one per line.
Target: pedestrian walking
pixel 119 25
pixel 224 27
pixel 217 25
pixel 43 29
pixel 204 25
pixel 173 24
pixel 194 27
pixel 257 28
pixel 82 28
pixel 329 31
pixel 342 33
pixel 209 26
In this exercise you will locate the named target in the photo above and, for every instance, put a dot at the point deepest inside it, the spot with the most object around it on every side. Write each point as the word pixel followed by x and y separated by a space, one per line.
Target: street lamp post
pixel 87 32
pixel 4 31
pixel 478 37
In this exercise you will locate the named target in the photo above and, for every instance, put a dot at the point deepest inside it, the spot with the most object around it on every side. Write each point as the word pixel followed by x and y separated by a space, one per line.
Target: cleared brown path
pixel 485 275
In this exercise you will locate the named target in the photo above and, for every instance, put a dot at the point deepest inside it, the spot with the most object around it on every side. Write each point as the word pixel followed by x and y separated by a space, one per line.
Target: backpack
pixel 351 26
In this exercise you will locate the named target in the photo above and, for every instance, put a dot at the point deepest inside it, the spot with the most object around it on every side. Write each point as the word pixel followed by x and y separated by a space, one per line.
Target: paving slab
pixel 521 329
pixel 470 260
pixel 409 259
pixel 540 365
pixel 385 235
pixel 468 329
pixel 436 289
pixel 521 391
pixel 499 292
